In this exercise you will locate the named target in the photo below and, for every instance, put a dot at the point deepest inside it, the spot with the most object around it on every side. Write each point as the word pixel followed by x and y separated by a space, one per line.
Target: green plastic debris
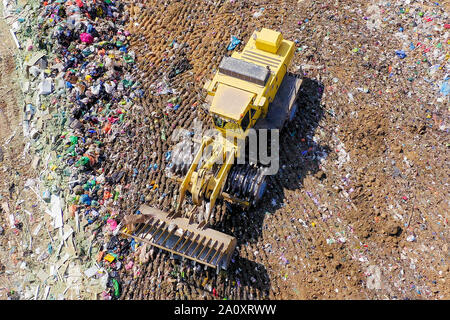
pixel 73 139
pixel 174 100
pixel 71 149
pixel 127 83
pixel 128 59
pixel 83 161
pixel 116 288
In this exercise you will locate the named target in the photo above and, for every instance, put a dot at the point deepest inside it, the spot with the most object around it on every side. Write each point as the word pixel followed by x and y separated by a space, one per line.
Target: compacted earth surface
pixel 359 207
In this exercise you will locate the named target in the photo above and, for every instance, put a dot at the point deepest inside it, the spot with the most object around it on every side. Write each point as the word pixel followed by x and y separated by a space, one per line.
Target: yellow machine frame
pixel 260 51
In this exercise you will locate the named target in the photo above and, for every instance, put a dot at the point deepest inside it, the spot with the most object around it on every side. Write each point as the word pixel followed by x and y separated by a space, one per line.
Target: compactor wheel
pixel 247 183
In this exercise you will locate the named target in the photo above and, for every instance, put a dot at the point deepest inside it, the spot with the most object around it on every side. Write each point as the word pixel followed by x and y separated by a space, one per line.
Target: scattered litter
pixel 233 43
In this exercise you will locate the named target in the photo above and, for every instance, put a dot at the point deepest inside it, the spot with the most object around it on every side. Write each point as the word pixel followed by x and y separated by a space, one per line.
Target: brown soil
pixel 335 229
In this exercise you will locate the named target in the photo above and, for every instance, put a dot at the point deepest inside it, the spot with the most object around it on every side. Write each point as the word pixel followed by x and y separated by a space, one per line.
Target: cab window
pixel 219 122
pixel 222 123
pixel 245 121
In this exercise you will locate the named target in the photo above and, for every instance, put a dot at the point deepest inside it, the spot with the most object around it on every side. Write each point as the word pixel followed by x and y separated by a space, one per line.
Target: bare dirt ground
pixel 370 221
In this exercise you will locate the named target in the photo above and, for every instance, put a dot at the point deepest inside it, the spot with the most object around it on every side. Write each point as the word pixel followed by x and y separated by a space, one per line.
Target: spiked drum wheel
pixel 246 182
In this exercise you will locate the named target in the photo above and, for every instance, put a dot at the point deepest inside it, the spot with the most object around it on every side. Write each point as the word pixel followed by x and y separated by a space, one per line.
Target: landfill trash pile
pixel 78 91
pixel 358 209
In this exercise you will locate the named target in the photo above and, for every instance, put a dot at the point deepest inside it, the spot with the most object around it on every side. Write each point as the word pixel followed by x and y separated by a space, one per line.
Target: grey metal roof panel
pixel 244 70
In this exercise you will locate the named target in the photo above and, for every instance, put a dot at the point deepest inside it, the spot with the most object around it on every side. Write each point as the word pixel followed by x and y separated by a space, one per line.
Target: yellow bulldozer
pixel 250 90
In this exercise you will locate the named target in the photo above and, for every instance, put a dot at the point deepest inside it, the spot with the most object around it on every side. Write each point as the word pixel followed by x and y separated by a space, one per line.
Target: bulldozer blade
pixel 179 237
